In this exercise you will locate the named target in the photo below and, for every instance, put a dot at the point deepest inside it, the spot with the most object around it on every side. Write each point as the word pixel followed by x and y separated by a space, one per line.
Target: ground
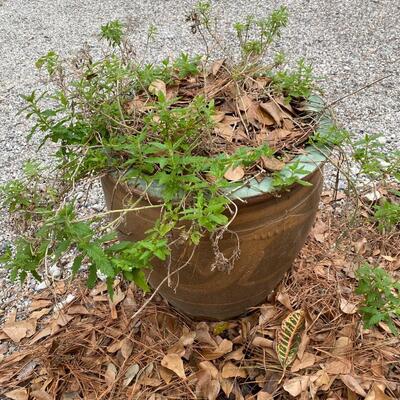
pixel 349 43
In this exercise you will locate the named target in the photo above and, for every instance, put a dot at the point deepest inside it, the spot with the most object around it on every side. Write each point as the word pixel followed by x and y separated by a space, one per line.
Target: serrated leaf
pixel 288 339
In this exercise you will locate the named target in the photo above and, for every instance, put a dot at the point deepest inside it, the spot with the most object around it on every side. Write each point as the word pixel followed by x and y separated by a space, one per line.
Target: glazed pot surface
pixel 269 231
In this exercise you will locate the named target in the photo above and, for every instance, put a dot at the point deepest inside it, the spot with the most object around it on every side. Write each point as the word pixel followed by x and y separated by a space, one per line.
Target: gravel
pixel 350 43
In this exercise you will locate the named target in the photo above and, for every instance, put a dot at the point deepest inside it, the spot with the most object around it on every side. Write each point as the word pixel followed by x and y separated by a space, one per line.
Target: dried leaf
pixel 166 374
pixel 217 66
pixel 343 346
pixel 245 102
pixel 264 396
pixel 174 363
pixel 126 348
pixel 376 393
pixel 262 342
pixel 236 355
pixel 39 314
pixel 347 307
pixel 158 86
pixel 230 370
pixel 308 360
pixel 234 174
pixel 18 394
pixel 296 385
pixel 203 334
pixel 338 367
pixel 18 330
pixel 210 368
pixel 225 131
pixel 37 304
pixel 130 373
pixel 284 299
pixel 274 111
pixel 110 374
pixel 147 381
pixel 41 395
pixel 353 384
pixel 278 135
pixel 272 163
pixel 223 348
pixel 78 309
pixel 207 388
pixel 256 114
pixel 289 337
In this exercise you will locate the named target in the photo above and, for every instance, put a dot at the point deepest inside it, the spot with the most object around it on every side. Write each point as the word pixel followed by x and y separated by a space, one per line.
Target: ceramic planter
pixel 271 229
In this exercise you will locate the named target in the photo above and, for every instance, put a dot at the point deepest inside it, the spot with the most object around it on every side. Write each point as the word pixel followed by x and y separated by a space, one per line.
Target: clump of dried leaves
pixel 248 112
pixel 306 341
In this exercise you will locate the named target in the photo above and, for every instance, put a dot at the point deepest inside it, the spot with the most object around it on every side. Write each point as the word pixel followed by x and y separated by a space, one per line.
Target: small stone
pixel 55 272
pixel 372 196
pixel 41 286
pixel 97 207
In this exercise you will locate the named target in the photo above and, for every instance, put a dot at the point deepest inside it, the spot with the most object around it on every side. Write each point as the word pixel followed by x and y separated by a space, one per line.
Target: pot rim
pixel 312 158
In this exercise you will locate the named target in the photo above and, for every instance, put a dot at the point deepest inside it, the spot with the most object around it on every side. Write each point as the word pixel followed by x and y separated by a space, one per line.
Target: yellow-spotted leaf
pixel 289 336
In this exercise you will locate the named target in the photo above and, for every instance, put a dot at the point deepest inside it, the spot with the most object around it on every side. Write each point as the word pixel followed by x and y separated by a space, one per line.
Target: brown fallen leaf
pixel 352 383
pixel 216 66
pixel 78 309
pixel 272 163
pixel 174 363
pixel 158 86
pixel 18 330
pixel 37 304
pixel 338 367
pixel 18 394
pixel 203 335
pixel 223 348
pixel 296 385
pixel 126 348
pixel 376 393
pixel 259 341
pixel 39 314
pixel 210 368
pixel 274 111
pixel 256 114
pixel 225 131
pixel 130 373
pixel 347 307
pixel 110 374
pixel 230 370
pixel 278 135
pixel 234 174
pixel 41 395
pixel 308 360
pixel 343 346
pixel 166 374
pixel 236 355
pixel 284 299
pixel 147 381
pixel 207 388
pixel 245 102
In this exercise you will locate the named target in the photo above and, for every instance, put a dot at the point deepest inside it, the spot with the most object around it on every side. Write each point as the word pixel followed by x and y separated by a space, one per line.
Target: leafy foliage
pixel 289 337
pixel 381 296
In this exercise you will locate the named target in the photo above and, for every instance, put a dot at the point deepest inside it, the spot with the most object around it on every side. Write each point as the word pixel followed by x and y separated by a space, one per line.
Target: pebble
pixel 55 271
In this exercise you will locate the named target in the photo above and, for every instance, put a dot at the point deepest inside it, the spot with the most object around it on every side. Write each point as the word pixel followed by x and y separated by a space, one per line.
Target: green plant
pixel 158 125
pixel 381 296
pixel 387 214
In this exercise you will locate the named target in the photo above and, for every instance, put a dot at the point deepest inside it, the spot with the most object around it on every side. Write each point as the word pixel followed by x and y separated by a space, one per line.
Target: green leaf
pixel 92 277
pixel 99 259
pixel 76 265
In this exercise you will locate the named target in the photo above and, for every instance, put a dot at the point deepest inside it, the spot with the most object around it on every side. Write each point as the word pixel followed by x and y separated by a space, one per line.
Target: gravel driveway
pixel 349 42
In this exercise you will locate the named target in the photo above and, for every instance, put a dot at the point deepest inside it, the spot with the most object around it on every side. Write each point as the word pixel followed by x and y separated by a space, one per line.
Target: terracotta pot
pixel 271 229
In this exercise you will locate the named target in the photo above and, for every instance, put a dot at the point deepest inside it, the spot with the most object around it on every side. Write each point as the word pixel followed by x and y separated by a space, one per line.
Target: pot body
pixel 269 230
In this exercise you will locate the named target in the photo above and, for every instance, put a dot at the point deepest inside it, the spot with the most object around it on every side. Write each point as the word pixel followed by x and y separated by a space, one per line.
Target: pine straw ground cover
pixel 93 349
